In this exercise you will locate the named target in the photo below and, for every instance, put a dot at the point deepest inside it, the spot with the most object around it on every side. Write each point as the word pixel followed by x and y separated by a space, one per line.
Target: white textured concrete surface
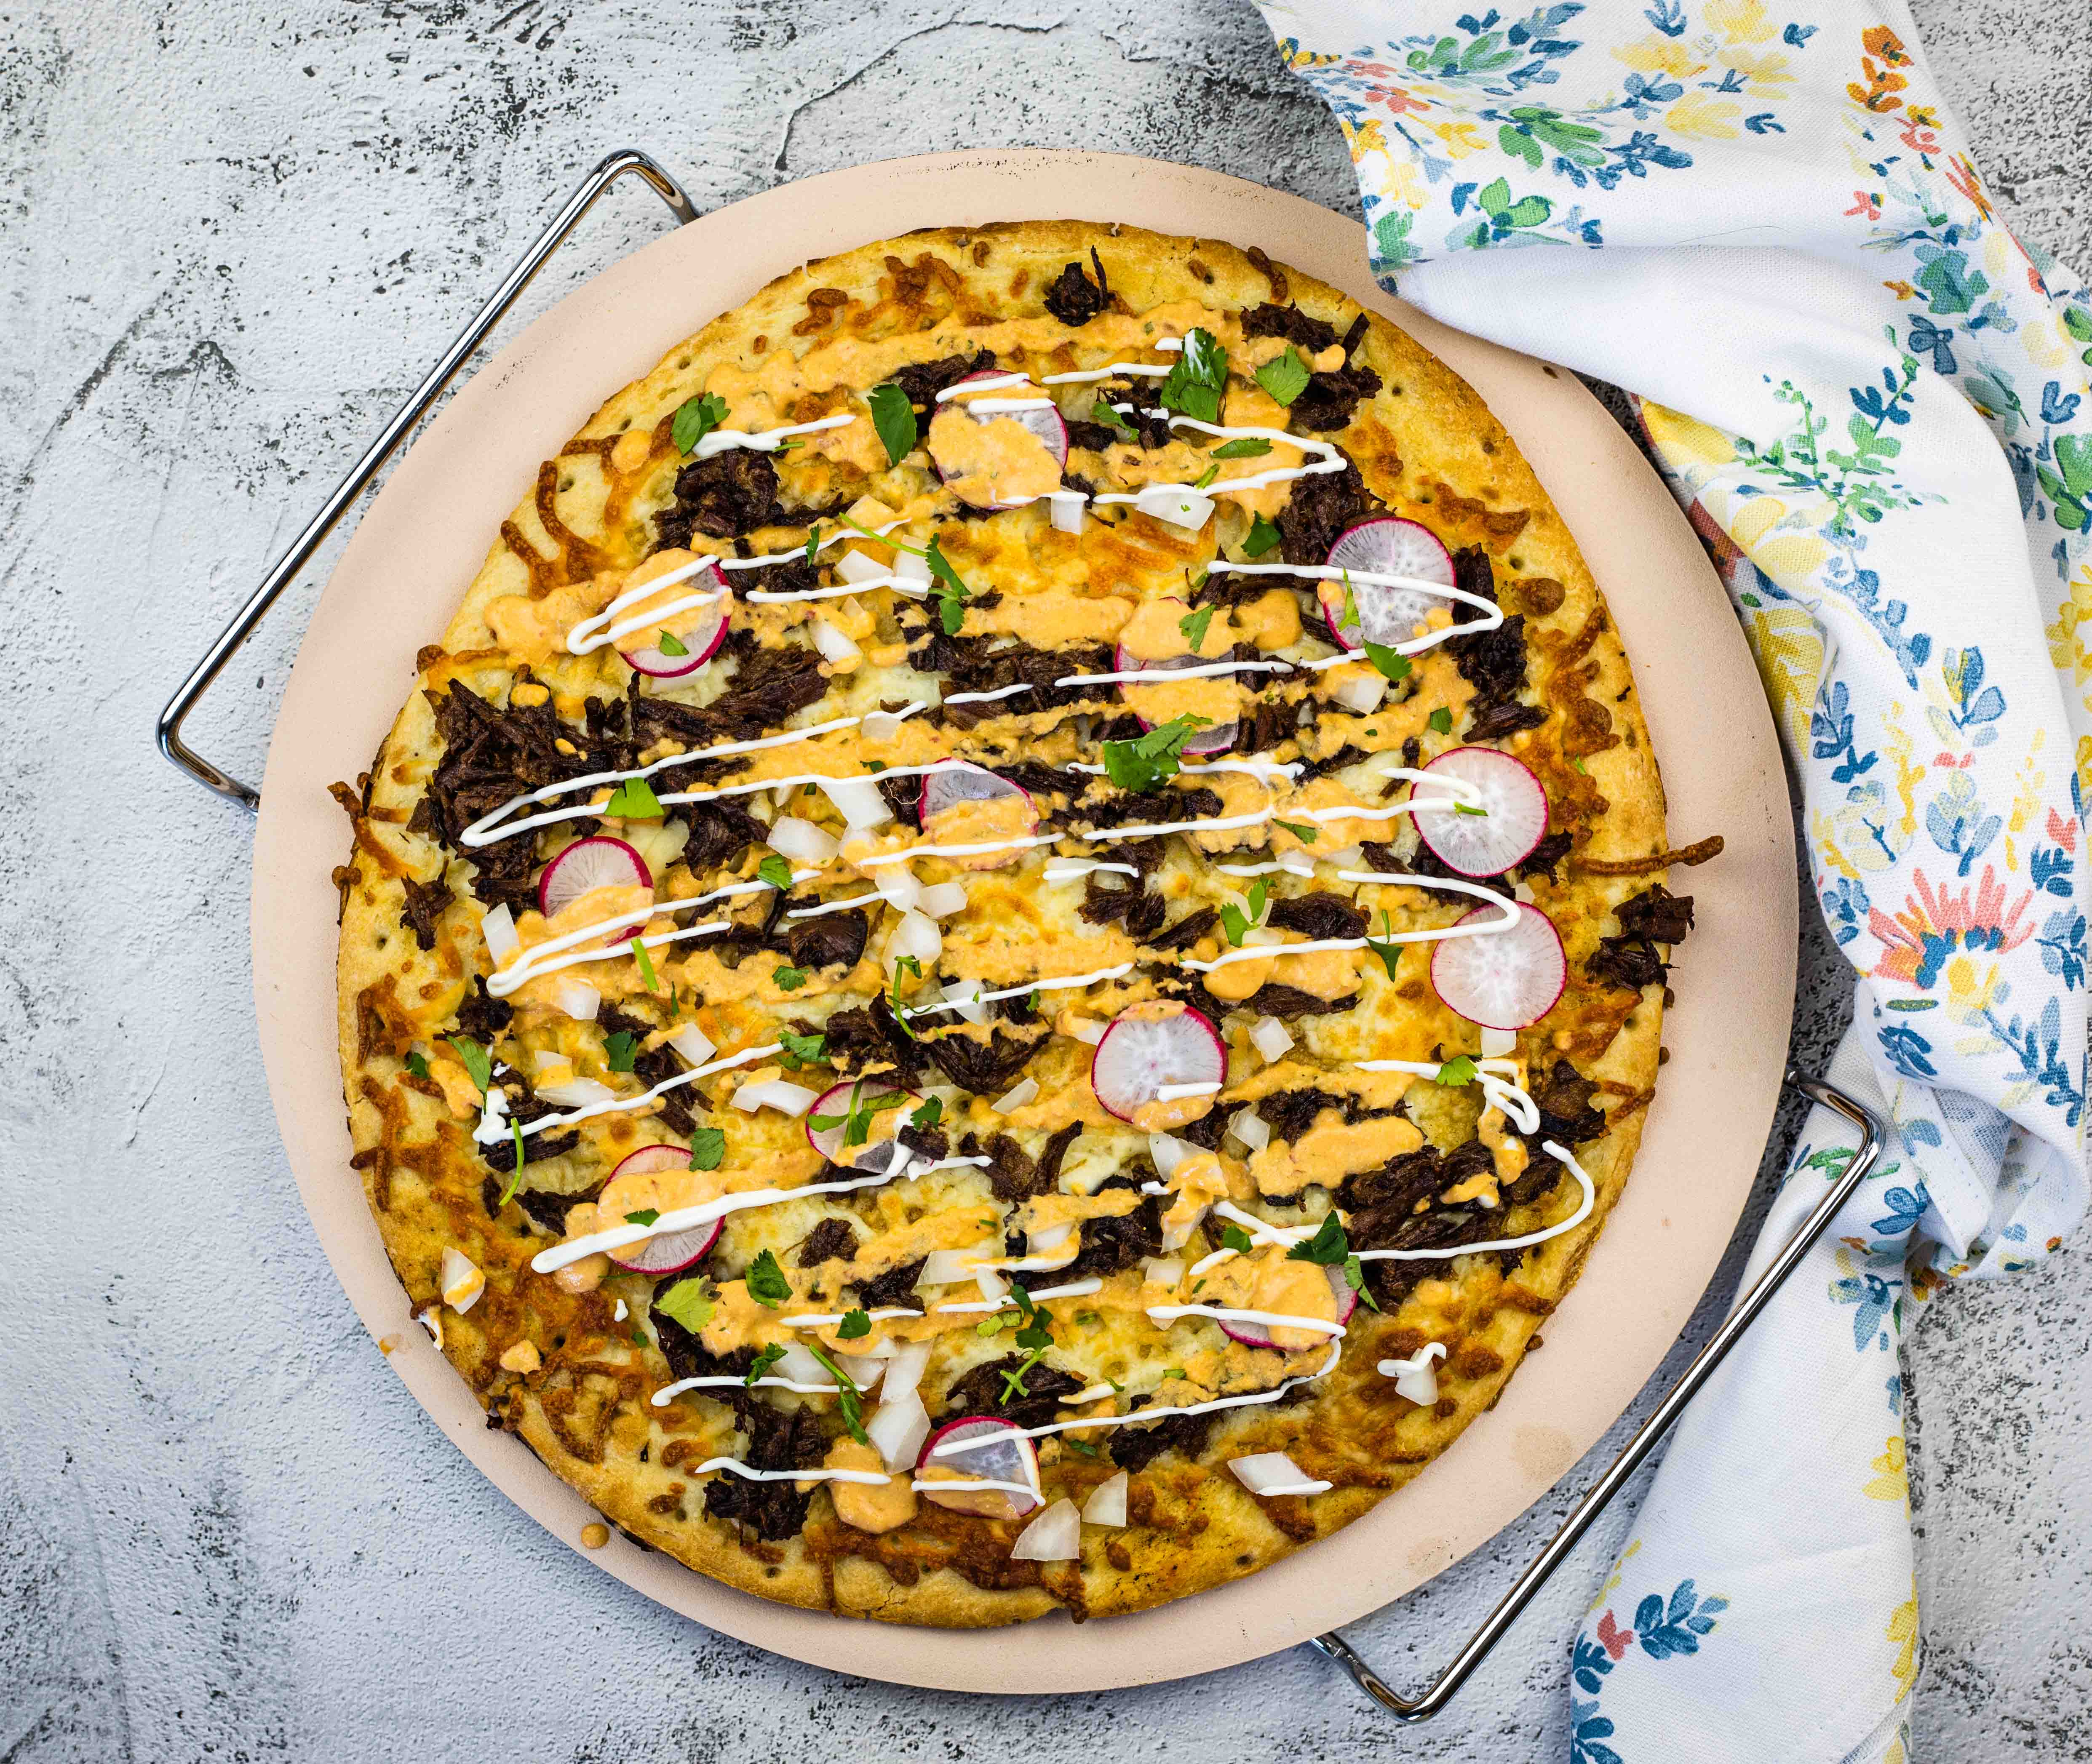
pixel 234 234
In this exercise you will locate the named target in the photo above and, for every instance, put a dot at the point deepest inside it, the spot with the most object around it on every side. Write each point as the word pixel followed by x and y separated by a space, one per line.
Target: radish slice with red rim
pixel 1219 737
pixel 600 862
pixel 701 643
pixel 1512 822
pixel 1385 546
pixel 671 1252
pixel 1044 421
pixel 1259 1334
pixel 833 1104
pixel 1009 812
pixel 1504 981
pixel 1148 1048
pixel 981 1449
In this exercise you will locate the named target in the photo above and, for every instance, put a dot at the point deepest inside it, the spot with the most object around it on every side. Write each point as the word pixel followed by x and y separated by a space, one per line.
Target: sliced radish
pixel 1259 1335
pixel 1056 1535
pixel 984 1449
pixel 601 862
pixel 702 643
pixel 1148 1047
pixel 1514 817
pixel 1044 421
pixel 1505 981
pixel 1217 739
pixel 671 1252
pixel 834 1104
pixel 1014 815
pixel 1385 546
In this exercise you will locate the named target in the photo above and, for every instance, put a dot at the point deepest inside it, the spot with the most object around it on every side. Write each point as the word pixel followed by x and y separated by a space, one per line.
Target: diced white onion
pixel 1163 1271
pixel 575 1094
pixel 1181 508
pixel 801 1367
pixel 963 995
pixel 914 569
pixel 1018 1096
pixel 1177 1236
pixel 1056 1535
pixel 941 900
pixel 800 840
pixel 693 1044
pixel 546 1058
pixel 498 928
pixel 778 1094
pixel 1414 1377
pixel 577 998
pixel 948 1267
pixel 832 644
pixel 916 936
pixel 1270 1037
pixel 863 1369
pixel 1361 690
pixel 898 1426
pixel 904 1371
pixel 1089 1030
pixel 1250 1128
pixel 1263 936
pixel 993 1287
pixel 1167 1153
pixel 897 887
pixel 1273 1473
pixel 883 725
pixel 855 566
pixel 862 806
pixel 1070 509
pixel 1106 1505
pixel 462 1281
pixel 1499 1044
pixel 1044 1243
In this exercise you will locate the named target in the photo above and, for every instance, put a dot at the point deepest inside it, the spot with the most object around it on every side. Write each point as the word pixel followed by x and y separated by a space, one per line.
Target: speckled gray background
pixel 234 233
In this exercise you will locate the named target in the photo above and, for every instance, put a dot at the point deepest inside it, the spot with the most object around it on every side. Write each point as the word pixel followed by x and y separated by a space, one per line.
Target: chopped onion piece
pixel 1056 1535
pixel 1106 1505
pixel 778 1094
pixel 862 805
pixel 1163 1271
pixel 897 887
pixel 904 1371
pixel 1273 1473
pixel 899 1425
pixel 855 566
pixel 1359 689
pixel 941 900
pixel 1499 1044
pixel 915 936
pixel 577 998
pixel 801 1367
pixel 800 840
pixel 1069 510
pixel 1270 1037
pixel 1181 508
pixel 1044 1243
pixel 963 995
pixel 546 1058
pixel 914 569
pixel 498 928
pixel 1413 1377
pixel 832 644
pixel 460 1279
pixel 575 1094
pixel 1250 1128
pixel 1167 1153
pixel 947 1267
pixel 693 1044
pixel 993 1287
pixel 430 1317
pixel 1024 1092
pixel 883 725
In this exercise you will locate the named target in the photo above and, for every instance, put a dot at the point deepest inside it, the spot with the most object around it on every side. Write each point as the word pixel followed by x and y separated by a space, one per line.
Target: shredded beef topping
pixel 1627 962
pixel 1110 1244
pixel 425 903
pixel 730 494
pixel 1306 333
pixel 1657 915
pixel 833 1239
pixel 767 686
pixel 1272 999
pixel 923 380
pixel 836 939
pixel 896 1286
pixel 1139 911
pixel 1136 1445
pixel 868 1036
pixel 987 1391
pixel 1074 299
pixel 1319 510
pixel 1541 860
pixel 974 666
pixel 1317 915
pixel 482 1015
pixel 1187 931
pixel 1329 399
pixel 987 1070
pixel 1290 1113
pixel 776 1441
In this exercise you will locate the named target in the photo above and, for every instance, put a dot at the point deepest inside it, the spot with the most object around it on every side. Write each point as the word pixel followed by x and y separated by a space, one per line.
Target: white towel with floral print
pixel 1873 402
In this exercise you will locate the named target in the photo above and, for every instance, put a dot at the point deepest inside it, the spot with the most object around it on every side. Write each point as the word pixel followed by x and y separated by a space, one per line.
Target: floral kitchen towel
pixel 1873 402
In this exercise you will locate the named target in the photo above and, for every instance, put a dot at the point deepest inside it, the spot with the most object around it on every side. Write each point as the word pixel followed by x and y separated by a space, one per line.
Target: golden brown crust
pixel 1426 445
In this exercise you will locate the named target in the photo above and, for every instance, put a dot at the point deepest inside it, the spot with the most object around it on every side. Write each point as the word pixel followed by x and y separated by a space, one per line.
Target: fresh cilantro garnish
pixel 647 1215
pixel 950 593
pixel 802 1050
pixel 515 1175
pixel 707 1148
pixel 1284 377
pixel 1077 1445
pixel 1238 923
pixel 929 1114
pixel 856 1120
pixel 1390 952
pixel 1145 761
pixel 1195 383
pixel 1348 618
pixel 648 978
pixel 1392 663
pixel 1102 412
pixel 634 801
pixel 1205 477
pixel 1233 1237
pixel 1306 835
pixel 1263 536
pixel 1194 625
pixel 1036 1332
pixel 1354 1278
pixel 695 418
pixel 1013 1381
pixel 689 1302
pixel 672 645
pixel 1456 1072
pixel 787 978
pixel 620 1051
pixel 1173 1372
pixel 1243 447
pixel 759 1367
pixel 1329 1247
pixel 901 964
pixel 813 541
pixel 853 1324
pixel 894 417
pixel 849 1395
pixel 478 1065
pixel 416 1064
pixel 774 871
pixel 1440 721
pixel 1469 808
pixel 1580 767
pixel 766 1284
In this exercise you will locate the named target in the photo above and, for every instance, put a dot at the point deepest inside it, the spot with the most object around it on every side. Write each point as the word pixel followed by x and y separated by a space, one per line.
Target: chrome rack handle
pixel 627 161
pixel 1441 1691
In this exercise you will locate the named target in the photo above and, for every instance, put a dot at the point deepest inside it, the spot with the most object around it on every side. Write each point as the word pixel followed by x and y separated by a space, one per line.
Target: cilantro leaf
pixel 929 1114
pixel 1389 952
pixel 950 592
pixel 1456 1072
pixel 1205 477
pixel 416 1064
pixel 1233 1237
pixel 1102 412
pixel 1284 377
pixel 787 978
pixel 1470 808
pixel 1263 536
pixel 760 1366
pixel 1174 1372
pixel 1391 662
pixel 1305 835
pixel 515 1175
pixel 1259 896
pixel 695 418
pixel 1143 763
pixel 689 1302
pixel 648 978
pixel 1354 1278
pixel 1329 1247
pixel 634 801
pixel 767 1283
pixel 669 644
pixel 707 1148
pixel 802 1050
pixel 894 417
pixel 849 1395
pixel 813 541
pixel 774 871
pixel 1242 447
pixel 854 1324
pixel 1013 1381
pixel 1440 721
pixel 1194 625
pixel 620 1051
pixel 647 1215
pixel 478 1065
pixel 1194 384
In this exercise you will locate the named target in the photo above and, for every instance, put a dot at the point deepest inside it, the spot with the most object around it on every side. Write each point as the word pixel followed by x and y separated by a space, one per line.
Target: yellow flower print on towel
pixel 1741 21
pixel 1903 1631
pixel 1710 118
pixel 1892 1481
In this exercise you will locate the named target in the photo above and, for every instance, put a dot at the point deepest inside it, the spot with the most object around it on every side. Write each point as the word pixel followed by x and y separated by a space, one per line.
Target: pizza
pixel 1018 939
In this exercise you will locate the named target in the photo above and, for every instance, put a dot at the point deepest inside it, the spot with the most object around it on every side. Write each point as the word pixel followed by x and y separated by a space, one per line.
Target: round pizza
pixel 1016 943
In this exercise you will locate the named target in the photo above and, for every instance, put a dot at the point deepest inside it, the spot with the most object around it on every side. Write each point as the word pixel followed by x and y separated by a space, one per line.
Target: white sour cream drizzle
pixel 1583 1212
pixel 1500 1090
pixel 1074 1289
pixel 735 1467
pixel 1492 613
pixel 1228 1314
pixel 1055 983
pixel 1330 460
